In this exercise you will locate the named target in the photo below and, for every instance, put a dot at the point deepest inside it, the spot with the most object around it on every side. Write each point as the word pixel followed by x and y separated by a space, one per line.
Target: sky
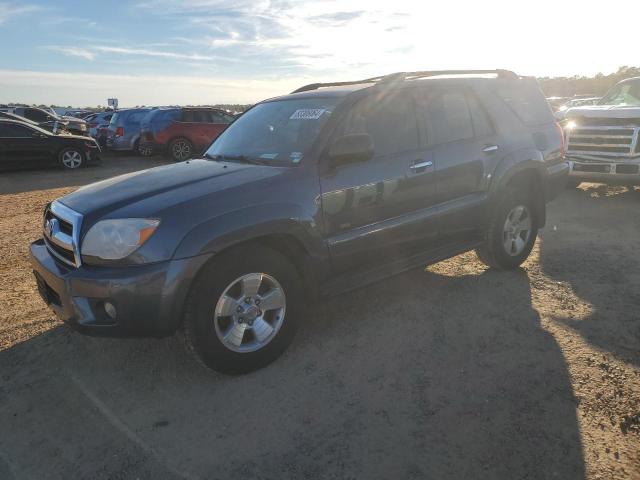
pixel 162 52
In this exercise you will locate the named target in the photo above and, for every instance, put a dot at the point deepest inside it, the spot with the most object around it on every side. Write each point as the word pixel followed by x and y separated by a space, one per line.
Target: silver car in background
pixel 124 129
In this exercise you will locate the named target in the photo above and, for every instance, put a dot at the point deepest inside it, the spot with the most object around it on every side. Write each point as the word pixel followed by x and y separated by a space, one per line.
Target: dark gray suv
pixel 305 196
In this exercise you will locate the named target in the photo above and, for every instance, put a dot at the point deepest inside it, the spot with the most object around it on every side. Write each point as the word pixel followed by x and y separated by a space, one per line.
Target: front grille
pixel 606 122
pixel 61 230
pixel 604 141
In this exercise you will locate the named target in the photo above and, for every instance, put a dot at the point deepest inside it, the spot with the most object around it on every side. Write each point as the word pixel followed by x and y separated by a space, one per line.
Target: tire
pixel 223 327
pixel 71 158
pixel 502 250
pixel 180 149
pixel 144 151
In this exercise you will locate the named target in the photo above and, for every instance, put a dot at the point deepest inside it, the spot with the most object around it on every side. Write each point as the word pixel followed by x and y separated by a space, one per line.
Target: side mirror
pixel 351 148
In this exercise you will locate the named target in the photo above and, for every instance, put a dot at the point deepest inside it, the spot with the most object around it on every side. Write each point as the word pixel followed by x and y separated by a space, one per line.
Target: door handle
pixel 419 164
pixel 490 148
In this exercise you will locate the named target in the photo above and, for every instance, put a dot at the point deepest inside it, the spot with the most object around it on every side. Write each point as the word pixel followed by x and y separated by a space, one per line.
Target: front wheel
pixel 181 149
pixel 242 310
pixel 512 232
pixel 71 158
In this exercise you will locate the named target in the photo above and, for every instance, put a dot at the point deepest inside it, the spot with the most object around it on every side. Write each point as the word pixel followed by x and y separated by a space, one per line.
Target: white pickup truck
pixel 602 140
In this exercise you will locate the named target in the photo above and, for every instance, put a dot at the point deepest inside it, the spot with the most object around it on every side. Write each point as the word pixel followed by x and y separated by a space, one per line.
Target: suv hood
pixel 148 192
pixel 604 111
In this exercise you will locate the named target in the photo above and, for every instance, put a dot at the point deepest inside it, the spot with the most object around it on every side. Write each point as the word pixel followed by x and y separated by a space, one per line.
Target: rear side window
pixel 390 120
pixel 526 100
pixel 188 116
pixel 114 119
pixel 136 117
pixel 220 117
pixel 35 115
pixel 481 124
pixel 449 117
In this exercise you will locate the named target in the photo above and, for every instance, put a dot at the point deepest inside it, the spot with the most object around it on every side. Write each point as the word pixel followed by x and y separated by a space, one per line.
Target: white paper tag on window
pixel 307 114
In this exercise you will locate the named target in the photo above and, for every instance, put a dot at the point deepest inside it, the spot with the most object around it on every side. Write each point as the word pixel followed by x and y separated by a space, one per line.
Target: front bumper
pixel 556 179
pixel 605 171
pixel 149 299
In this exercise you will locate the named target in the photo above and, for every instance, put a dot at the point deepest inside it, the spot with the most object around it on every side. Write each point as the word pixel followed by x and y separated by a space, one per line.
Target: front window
pixel 623 94
pixel 279 132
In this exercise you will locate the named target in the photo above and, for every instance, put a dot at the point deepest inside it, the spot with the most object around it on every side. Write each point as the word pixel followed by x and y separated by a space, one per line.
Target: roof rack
pixel 402 76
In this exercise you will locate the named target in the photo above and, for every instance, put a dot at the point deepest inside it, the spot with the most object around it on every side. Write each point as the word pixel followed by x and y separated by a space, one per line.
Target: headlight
pixel 117 238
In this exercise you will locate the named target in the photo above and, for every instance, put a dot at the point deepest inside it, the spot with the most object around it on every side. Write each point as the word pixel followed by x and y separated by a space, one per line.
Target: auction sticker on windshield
pixel 307 114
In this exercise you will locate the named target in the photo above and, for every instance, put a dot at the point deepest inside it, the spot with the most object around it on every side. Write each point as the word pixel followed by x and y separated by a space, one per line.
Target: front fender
pixel 231 228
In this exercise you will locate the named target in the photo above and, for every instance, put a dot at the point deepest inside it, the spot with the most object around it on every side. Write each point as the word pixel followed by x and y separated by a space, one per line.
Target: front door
pixel 22 147
pixel 378 211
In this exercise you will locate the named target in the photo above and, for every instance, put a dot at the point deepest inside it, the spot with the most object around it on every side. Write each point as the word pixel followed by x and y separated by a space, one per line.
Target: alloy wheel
pixel 181 150
pixel 517 230
pixel 250 312
pixel 72 159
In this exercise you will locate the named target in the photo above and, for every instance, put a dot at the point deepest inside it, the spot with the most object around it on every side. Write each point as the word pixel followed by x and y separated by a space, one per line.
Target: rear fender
pixel 529 161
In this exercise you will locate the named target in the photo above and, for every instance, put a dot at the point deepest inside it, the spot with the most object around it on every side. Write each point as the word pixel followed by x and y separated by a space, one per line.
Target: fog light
pixel 110 310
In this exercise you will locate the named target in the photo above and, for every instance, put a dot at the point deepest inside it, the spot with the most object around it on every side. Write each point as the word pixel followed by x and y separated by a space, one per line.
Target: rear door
pixel 378 212
pixel 463 139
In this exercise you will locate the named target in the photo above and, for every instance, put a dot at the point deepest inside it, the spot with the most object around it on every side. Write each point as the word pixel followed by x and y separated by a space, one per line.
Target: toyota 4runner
pixel 305 196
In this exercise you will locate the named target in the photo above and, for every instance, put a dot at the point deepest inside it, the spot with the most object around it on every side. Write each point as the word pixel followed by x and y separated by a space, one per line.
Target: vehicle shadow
pixel 48 178
pixel 426 375
pixel 595 251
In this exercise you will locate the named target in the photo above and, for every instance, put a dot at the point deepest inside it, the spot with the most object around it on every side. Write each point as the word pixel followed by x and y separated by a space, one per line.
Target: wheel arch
pixel 523 170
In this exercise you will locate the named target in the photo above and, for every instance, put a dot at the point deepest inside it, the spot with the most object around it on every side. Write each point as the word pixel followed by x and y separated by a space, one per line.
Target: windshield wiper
pixel 235 158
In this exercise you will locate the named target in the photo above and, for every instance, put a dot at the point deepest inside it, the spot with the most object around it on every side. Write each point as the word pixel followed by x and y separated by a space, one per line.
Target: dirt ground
pixel 455 372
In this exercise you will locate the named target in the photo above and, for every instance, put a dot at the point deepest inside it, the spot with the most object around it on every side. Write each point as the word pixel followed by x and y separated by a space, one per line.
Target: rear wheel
pixel 180 149
pixel 512 232
pixel 242 310
pixel 71 158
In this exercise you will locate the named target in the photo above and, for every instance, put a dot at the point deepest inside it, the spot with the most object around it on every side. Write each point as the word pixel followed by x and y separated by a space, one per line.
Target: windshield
pixel 279 132
pixel 627 93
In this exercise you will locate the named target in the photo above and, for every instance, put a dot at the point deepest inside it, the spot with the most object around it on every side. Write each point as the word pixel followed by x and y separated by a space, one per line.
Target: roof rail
pixel 402 76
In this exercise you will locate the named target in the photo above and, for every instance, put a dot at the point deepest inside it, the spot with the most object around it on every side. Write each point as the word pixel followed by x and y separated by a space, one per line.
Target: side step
pixel 351 281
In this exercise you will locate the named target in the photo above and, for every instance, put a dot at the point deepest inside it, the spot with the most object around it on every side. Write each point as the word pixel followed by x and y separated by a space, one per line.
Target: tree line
pixel 577 85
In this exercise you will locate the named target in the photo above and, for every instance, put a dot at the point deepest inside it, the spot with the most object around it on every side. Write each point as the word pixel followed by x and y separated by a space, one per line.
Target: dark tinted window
pixel 220 117
pixel 526 100
pixel 13 131
pixel 135 117
pixel 188 116
pixel 481 123
pixel 35 114
pixel 390 119
pixel 449 116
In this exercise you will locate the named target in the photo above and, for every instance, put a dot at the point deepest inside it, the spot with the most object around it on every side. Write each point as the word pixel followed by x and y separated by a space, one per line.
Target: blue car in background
pixel 124 129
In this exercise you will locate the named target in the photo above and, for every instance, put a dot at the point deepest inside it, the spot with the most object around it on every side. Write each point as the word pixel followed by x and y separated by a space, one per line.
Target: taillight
pixel 120 132
pixel 563 147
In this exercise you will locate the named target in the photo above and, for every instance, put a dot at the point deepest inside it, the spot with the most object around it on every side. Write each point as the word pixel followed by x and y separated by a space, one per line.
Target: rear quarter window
pixel 526 100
